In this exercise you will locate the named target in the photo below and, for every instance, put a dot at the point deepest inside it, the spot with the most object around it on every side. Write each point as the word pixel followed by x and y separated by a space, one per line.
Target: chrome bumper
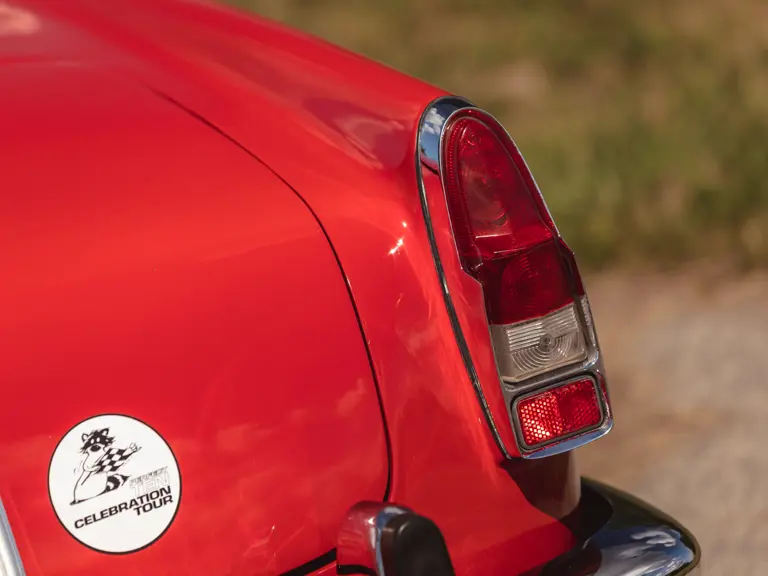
pixel 636 540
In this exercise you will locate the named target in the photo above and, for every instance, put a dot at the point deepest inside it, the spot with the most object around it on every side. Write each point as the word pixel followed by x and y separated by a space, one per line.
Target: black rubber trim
pixel 313 565
pixel 351 569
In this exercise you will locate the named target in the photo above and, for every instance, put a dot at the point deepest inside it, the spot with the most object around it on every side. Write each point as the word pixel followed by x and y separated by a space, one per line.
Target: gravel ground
pixel 687 362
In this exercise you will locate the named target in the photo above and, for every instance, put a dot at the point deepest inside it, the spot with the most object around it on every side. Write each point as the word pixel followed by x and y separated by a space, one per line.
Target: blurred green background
pixel 645 123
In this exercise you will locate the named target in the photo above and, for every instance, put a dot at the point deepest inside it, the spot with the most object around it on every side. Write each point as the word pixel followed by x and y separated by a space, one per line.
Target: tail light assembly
pixel 540 325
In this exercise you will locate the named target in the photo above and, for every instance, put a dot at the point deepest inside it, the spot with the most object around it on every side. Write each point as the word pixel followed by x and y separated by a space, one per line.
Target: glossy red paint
pixel 166 275
pixel 341 131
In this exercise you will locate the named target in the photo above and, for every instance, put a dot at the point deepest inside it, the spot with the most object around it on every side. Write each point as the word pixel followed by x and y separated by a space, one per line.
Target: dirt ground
pixel 687 362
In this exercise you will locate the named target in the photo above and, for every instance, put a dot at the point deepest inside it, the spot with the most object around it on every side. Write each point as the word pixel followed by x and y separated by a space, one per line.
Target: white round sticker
pixel 114 484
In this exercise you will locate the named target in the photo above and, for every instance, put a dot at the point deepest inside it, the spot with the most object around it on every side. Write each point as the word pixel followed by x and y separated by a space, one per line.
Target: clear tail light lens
pixel 535 346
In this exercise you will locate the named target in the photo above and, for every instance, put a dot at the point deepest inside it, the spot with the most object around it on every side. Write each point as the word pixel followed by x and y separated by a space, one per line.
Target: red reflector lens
pixel 559 412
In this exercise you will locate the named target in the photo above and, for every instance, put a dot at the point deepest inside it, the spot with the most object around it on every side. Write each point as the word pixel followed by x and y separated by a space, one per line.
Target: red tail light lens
pixel 527 285
pixel 491 206
pixel 504 233
pixel 549 416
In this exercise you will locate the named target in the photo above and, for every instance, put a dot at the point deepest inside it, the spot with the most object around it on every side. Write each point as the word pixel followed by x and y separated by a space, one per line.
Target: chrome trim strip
pixel 359 541
pixel 10 561
pixel 572 443
pixel 430 134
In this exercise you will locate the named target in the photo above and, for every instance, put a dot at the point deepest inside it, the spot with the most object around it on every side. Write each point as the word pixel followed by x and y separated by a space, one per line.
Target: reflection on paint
pixel 397 246
pixel 16 21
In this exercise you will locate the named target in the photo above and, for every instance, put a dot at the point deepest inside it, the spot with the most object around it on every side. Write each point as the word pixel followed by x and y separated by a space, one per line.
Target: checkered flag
pixel 112 459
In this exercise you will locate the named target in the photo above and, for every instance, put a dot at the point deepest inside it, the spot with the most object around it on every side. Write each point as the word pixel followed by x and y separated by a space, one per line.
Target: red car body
pixel 212 224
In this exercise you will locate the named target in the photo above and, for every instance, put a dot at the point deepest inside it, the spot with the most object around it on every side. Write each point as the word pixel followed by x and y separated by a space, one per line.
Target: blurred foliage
pixel 645 123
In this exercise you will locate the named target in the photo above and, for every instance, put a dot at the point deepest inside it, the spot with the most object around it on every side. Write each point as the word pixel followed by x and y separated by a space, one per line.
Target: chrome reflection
pixel 657 551
pixel 432 128
pixel 359 542
pixel 636 540
pixel 10 561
